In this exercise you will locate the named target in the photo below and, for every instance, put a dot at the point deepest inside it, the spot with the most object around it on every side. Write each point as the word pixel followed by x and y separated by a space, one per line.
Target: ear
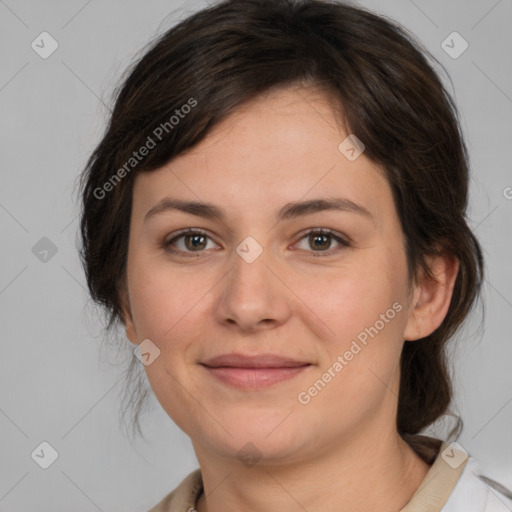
pixel 127 318
pixel 432 297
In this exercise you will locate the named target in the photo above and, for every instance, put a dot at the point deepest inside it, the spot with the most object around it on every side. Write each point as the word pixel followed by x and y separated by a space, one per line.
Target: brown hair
pixel 392 100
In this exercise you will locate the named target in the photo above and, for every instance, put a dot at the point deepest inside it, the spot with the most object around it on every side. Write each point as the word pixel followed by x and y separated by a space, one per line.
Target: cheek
pixel 365 310
pixel 360 360
pixel 355 299
pixel 167 309
pixel 163 299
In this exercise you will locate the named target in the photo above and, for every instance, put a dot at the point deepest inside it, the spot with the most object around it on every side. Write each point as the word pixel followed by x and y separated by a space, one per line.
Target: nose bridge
pixel 251 297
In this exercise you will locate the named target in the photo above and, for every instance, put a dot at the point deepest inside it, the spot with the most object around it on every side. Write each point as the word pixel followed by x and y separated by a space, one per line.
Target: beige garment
pixel 431 495
pixel 183 498
pixel 438 484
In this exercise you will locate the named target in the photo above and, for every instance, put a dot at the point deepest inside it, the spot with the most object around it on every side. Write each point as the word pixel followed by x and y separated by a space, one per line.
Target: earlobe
pixel 432 297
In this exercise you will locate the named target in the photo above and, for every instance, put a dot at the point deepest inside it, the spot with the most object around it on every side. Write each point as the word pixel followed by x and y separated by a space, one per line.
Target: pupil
pixel 322 238
pixel 197 241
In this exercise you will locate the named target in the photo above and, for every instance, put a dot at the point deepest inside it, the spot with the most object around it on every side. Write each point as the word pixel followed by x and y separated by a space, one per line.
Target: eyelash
pixel 319 231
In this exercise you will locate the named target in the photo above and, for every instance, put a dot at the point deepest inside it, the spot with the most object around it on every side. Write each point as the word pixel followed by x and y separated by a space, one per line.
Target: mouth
pixel 253 372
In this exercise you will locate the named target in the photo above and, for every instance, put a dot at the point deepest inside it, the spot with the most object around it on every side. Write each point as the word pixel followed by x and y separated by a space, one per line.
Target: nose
pixel 252 297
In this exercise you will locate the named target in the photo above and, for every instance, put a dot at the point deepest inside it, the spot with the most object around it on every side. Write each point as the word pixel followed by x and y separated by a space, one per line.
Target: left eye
pixel 320 240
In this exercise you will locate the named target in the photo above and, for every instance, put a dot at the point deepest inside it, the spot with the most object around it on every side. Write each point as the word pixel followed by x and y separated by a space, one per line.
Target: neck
pixel 382 475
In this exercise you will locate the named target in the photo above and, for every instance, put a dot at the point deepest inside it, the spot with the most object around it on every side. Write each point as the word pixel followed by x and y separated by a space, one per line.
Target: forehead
pixel 282 146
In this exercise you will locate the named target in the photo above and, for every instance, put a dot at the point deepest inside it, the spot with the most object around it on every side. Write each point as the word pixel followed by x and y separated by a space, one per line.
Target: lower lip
pixel 254 378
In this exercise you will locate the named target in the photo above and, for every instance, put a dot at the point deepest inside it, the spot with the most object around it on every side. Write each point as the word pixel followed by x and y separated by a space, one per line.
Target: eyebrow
pixel 288 211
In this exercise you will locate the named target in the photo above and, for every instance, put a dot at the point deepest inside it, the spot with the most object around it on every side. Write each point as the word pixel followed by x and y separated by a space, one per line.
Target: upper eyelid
pixel 326 231
pixel 187 231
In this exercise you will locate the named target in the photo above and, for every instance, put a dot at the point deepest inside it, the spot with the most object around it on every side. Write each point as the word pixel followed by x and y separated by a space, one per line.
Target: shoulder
pixel 456 483
pixel 183 497
pixel 474 492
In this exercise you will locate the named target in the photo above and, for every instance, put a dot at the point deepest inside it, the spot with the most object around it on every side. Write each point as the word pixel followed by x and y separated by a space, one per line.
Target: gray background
pixel 55 385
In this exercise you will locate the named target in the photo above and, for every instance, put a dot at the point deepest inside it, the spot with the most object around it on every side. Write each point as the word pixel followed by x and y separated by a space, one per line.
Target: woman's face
pixel 252 282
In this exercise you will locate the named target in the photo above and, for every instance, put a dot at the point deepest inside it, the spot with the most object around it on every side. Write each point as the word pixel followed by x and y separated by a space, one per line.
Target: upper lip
pixel 255 361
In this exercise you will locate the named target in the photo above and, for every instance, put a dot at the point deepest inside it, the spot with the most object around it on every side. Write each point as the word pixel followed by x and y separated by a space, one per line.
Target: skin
pixel 341 451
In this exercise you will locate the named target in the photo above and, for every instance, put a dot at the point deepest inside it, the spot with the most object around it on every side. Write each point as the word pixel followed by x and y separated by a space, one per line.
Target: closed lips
pixel 256 361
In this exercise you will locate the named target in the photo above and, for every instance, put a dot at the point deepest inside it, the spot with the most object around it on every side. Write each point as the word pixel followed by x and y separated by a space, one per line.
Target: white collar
pixel 476 493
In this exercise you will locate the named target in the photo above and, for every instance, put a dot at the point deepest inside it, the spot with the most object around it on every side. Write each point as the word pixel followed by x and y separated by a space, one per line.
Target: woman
pixel 276 215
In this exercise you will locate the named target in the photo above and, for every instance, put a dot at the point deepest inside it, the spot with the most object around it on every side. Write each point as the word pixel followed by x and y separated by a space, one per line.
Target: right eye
pixel 188 241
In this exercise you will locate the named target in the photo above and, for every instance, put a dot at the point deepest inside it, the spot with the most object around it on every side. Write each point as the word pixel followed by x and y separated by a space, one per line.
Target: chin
pixel 257 438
